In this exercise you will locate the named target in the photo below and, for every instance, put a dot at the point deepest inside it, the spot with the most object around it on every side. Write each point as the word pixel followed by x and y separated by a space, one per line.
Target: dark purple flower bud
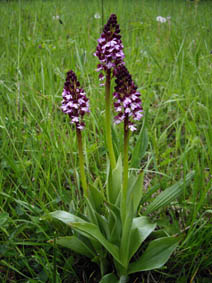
pixel 110 48
pixel 127 100
pixel 74 103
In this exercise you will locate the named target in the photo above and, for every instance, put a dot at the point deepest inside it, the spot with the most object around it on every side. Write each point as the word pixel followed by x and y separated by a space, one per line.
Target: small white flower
pixel 143 53
pixel 97 16
pixel 161 19
pixel 57 17
pixel 168 18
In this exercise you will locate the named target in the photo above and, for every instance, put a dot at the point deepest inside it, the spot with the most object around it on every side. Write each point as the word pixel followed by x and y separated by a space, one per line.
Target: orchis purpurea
pixel 76 105
pixel 111 225
pixel 127 100
pixel 110 48
pixel 128 105
pixel 110 53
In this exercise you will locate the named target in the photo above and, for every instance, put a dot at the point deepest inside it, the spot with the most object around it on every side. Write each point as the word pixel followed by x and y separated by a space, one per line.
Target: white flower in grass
pixel 161 19
pixel 57 17
pixel 97 16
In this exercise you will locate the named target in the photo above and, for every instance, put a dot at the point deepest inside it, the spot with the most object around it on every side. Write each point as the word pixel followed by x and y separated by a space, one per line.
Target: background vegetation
pixel 172 65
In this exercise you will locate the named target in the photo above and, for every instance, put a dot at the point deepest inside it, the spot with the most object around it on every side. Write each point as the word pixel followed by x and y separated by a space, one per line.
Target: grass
pixel 172 65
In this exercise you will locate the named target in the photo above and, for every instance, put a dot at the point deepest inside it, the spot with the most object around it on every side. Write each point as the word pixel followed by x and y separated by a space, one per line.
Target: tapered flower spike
pixel 74 103
pixel 129 109
pixel 110 53
pixel 110 48
pixel 127 100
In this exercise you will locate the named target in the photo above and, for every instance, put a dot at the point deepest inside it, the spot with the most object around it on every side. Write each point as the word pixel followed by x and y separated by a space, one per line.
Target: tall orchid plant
pixel 111 226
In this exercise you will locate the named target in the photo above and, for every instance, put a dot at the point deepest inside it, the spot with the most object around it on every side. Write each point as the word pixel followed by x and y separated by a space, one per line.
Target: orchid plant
pixel 111 227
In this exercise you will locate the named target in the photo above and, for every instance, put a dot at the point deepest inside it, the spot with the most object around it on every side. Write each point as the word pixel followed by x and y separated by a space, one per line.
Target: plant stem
pixel 108 120
pixel 81 162
pixel 125 172
pixel 103 266
pixel 123 279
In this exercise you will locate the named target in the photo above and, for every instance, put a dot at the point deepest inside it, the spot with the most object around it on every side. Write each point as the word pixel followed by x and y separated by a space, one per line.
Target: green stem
pixel 108 121
pixel 81 163
pixel 103 266
pixel 123 279
pixel 125 173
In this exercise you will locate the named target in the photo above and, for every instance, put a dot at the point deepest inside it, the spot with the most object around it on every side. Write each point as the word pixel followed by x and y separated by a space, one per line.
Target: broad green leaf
pixel 109 278
pixel 140 147
pixel 68 219
pixel 96 197
pixel 170 194
pixel 92 230
pixel 76 245
pixel 156 255
pixel 115 225
pixel 91 213
pixel 126 235
pixel 115 182
pixel 103 225
pixel 135 190
pixel 141 229
pixel 98 219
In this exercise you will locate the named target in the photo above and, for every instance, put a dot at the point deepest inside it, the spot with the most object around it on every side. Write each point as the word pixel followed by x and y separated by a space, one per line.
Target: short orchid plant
pixel 111 228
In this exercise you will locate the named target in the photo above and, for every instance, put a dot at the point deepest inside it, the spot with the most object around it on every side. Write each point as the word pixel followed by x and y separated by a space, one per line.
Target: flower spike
pixel 110 48
pixel 127 100
pixel 74 103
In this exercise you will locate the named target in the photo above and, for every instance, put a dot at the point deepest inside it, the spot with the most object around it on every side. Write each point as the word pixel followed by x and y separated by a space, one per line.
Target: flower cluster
pixel 127 102
pixel 162 19
pixel 74 103
pixel 110 48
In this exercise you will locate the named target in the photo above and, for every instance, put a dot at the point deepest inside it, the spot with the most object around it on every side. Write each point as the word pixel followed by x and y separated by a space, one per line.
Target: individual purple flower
pixel 127 100
pixel 74 103
pixel 110 48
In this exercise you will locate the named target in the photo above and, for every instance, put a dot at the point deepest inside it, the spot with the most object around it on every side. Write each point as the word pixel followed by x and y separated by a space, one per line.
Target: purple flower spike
pixel 127 100
pixel 110 48
pixel 74 103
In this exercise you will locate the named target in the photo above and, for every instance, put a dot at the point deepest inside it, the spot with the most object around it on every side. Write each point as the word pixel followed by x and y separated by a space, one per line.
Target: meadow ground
pixel 171 63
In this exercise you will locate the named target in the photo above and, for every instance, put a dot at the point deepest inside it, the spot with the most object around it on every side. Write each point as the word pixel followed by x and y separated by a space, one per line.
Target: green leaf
pixel 115 182
pixel 92 230
pixel 126 235
pixel 140 147
pixel 68 219
pixel 115 225
pixel 96 197
pixel 141 229
pixel 98 219
pixel 76 245
pixel 91 212
pixel 170 194
pixel 156 255
pixel 135 190
pixel 109 278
